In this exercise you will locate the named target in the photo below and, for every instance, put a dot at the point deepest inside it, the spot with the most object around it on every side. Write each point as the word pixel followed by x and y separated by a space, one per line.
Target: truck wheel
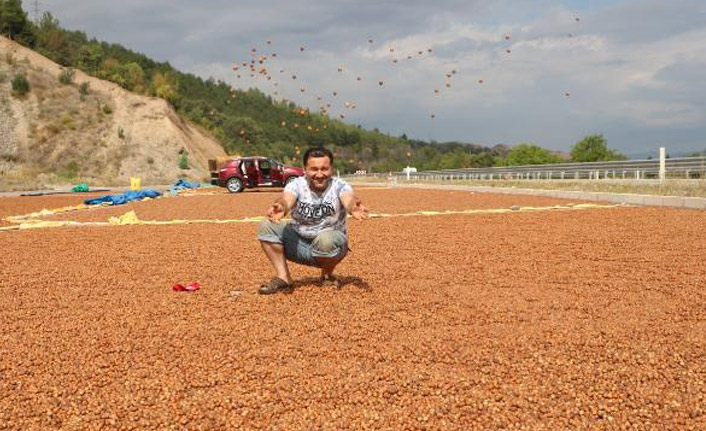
pixel 234 185
pixel 290 179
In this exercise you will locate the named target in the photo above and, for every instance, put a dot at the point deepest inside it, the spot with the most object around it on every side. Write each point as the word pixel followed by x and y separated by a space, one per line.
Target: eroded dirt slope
pixel 55 134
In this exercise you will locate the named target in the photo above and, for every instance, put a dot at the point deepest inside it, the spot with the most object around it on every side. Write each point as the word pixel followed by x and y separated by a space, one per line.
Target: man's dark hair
pixel 317 152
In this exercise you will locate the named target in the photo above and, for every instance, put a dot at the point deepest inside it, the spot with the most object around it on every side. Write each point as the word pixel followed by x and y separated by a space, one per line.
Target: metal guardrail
pixel 684 167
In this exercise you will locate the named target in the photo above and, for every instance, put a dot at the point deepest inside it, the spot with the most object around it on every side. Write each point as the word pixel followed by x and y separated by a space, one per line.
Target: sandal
pixel 331 280
pixel 275 285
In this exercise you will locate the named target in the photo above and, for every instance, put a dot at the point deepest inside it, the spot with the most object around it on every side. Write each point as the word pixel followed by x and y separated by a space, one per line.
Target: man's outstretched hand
pixel 358 211
pixel 276 212
pixel 281 206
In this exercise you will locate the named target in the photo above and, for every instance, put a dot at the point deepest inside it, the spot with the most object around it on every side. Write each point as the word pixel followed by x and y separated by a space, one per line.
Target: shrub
pixel 150 161
pixel 3 77
pixel 20 85
pixel 66 76
pixel 83 88
pixel 184 161
pixel 53 129
pixel 107 109
pixel 121 133
pixel 12 158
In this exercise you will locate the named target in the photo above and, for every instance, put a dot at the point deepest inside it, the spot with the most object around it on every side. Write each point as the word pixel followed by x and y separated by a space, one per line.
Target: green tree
pixel 594 148
pixel 165 86
pixel 528 154
pixel 482 160
pixel 13 20
pixel 89 57
pixel 110 70
pixel 130 76
pixel 52 41
pixel 134 77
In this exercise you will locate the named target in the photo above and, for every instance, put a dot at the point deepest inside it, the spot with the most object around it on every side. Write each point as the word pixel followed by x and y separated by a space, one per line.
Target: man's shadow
pixel 345 282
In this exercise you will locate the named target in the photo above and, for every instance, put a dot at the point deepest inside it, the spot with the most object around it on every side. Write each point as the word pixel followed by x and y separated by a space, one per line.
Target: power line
pixel 35 10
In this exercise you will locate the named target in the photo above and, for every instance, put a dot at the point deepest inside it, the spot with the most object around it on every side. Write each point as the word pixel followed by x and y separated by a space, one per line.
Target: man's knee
pixel 329 242
pixel 269 231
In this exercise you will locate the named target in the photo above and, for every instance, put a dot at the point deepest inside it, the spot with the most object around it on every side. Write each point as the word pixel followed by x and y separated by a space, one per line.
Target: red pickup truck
pixel 247 172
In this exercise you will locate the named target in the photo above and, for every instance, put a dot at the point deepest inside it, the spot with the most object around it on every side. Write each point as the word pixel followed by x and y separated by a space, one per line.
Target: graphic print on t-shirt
pixel 314 212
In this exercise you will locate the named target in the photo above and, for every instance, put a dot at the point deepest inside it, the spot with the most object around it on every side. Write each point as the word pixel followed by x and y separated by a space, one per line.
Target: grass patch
pixel 69 172
pixel 68 122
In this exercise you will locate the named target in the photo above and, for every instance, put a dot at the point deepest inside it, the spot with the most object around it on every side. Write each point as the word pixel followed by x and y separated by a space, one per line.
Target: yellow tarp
pixel 125 219
pixel 19 219
pixel 130 218
pixel 38 224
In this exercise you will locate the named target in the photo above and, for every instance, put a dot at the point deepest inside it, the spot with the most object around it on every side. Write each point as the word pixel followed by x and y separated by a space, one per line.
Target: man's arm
pixel 354 206
pixel 281 207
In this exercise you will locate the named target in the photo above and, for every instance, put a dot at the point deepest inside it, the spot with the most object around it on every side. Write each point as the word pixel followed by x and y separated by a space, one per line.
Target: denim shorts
pixel 329 243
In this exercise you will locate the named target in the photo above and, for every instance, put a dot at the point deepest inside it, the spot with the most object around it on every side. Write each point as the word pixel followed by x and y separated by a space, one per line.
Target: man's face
pixel 318 171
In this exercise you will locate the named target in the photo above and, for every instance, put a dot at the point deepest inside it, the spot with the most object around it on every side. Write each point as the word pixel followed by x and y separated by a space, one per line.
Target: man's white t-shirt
pixel 313 213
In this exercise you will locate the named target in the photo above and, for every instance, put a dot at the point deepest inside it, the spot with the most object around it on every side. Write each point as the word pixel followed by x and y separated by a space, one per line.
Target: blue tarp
pixel 122 198
pixel 182 184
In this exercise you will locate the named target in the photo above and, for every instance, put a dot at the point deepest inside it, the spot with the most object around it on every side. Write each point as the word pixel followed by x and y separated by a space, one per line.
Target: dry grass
pixel 670 187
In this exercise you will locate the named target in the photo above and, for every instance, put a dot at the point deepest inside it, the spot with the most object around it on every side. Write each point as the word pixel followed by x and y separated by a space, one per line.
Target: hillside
pixel 55 135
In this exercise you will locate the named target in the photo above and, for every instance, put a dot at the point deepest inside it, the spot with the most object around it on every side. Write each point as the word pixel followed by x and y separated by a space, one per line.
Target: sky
pixel 543 72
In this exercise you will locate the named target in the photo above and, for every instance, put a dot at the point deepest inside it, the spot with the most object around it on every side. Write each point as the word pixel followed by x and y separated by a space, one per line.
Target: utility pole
pixel 35 10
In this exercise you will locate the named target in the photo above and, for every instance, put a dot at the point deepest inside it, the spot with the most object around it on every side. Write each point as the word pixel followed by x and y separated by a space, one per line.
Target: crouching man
pixel 316 235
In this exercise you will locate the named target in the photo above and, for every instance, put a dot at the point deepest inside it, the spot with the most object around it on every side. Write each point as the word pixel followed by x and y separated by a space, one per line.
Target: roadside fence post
pixel 662 164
